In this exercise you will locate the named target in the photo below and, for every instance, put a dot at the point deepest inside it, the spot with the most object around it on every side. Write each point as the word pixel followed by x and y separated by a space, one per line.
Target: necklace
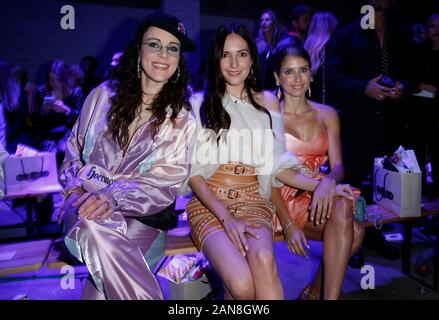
pixel 242 98
pixel 132 132
pixel 139 117
pixel 141 112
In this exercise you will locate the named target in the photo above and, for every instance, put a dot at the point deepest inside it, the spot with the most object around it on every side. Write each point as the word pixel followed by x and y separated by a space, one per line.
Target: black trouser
pixel 435 144
pixel 422 127
pixel 370 129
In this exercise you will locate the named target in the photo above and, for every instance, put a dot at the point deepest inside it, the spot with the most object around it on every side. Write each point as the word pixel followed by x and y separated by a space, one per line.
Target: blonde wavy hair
pixel 322 25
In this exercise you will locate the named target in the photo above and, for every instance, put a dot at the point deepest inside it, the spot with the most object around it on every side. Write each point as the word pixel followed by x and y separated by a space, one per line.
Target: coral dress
pixel 313 155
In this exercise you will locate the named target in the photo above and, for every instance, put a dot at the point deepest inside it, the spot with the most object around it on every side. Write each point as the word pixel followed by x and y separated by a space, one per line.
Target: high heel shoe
pixel 309 294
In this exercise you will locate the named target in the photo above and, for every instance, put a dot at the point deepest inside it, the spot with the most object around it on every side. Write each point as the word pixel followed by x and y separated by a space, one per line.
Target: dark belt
pixel 164 220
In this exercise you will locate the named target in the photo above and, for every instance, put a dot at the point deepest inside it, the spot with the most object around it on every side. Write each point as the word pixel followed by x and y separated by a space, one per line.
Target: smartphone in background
pixel 387 82
pixel 49 100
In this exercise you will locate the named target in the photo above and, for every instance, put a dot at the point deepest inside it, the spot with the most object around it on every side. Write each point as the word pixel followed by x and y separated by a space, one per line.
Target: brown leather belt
pixel 237 169
pixel 233 194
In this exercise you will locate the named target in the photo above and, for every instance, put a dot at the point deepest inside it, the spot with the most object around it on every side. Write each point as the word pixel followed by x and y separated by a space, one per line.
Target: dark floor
pixel 295 273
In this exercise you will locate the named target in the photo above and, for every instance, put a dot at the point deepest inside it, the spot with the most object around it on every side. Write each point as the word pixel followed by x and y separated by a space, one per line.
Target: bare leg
pixel 316 233
pixel 337 244
pixel 230 265
pixel 263 266
pixel 359 233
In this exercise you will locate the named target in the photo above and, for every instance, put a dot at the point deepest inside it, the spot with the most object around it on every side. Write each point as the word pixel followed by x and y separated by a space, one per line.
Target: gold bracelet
pixel 287 226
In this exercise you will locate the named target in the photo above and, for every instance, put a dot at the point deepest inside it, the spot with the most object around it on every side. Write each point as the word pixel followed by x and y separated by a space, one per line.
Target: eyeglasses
pixel 156 47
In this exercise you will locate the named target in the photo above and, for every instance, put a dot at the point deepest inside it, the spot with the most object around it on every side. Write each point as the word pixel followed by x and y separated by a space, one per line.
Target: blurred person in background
pixel 269 35
pixel 322 25
pixel 18 120
pixel 371 73
pixel 424 119
pixel 114 62
pixel 77 75
pixel 420 33
pixel 58 105
pixel 89 66
pixel 300 18
pixel 9 98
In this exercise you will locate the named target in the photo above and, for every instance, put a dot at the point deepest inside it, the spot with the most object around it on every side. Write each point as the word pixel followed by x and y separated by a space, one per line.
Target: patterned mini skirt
pixel 240 198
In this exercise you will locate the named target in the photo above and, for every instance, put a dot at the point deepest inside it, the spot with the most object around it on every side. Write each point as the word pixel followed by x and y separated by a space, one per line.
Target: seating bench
pixel 179 241
pixel 23 257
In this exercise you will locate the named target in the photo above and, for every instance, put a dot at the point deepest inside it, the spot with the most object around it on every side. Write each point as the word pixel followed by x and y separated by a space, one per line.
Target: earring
pixel 309 88
pixel 138 70
pixel 278 91
pixel 178 75
pixel 251 73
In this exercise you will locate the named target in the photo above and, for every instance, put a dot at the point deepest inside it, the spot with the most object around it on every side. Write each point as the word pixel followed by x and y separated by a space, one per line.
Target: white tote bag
pixel 400 192
pixel 31 175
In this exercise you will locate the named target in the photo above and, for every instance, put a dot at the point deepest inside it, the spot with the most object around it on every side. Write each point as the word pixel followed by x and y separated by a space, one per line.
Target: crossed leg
pixel 115 260
pixel 342 236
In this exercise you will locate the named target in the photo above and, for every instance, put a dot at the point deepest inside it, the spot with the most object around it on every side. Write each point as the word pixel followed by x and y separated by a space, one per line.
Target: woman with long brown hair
pixel 241 159
pixel 125 162
pixel 312 133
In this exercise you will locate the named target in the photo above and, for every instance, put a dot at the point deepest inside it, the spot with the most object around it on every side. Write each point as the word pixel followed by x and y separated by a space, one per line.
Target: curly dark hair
pixel 127 100
pixel 212 112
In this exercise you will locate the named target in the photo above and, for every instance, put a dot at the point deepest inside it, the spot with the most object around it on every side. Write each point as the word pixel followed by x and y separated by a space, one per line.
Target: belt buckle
pixel 232 194
pixel 239 169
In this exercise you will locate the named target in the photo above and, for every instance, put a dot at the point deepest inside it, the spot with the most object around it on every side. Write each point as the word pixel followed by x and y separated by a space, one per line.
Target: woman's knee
pixel 265 258
pixel 342 213
pixel 85 231
pixel 241 287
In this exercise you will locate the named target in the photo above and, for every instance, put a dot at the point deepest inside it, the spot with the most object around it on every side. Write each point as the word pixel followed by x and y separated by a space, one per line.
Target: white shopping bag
pixel 400 192
pixel 31 175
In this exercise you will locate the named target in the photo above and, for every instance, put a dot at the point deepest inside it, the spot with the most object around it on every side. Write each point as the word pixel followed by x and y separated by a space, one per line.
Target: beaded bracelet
pixel 286 227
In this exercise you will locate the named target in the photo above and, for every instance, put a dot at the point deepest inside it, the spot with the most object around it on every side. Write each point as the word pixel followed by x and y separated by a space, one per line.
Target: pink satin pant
pixel 116 256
